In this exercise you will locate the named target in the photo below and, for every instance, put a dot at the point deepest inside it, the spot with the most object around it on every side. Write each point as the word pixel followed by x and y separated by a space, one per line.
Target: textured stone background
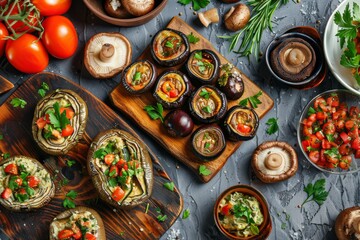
pixel 289 222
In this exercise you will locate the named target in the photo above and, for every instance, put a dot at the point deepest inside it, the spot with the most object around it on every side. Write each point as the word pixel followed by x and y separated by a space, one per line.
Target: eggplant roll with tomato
pixel 59 121
pixel 24 184
pixel 121 168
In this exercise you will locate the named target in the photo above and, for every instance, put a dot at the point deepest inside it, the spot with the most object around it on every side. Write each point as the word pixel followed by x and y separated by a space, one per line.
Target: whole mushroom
pixel 347 224
pixel 114 8
pixel 237 17
pixel 138 7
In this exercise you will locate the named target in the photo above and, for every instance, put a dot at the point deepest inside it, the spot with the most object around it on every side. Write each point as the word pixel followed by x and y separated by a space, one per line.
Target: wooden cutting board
pixel 5 85
pixel 180 148
pixel 15 126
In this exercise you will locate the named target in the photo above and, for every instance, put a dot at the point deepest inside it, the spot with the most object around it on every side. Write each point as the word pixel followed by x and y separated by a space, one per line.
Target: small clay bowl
pixel 266 226
pixel 97 8
pixel 312 37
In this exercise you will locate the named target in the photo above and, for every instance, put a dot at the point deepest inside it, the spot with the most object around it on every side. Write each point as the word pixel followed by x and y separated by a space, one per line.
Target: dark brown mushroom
pixel 274 161
pixel 237 17
pixel 293 59
pixel 114 8
pixel 347 224
pixel 138 7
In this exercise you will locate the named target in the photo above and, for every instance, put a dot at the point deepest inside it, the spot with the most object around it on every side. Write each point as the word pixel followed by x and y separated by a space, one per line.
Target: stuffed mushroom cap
pixel 121 168
pixel 80 215
pixel 24 184
pixel 60 143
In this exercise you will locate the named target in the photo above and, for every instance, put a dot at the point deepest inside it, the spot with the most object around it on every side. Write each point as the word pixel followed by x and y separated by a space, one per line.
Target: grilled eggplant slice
pixel 170 47
pixel 82 222
pixel 24 184
pixel 59 121
pixel 121 168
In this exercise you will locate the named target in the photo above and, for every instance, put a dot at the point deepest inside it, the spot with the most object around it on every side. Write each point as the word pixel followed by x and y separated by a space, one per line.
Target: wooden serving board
pixel 15 126
pixel 5 85
pixel 180 148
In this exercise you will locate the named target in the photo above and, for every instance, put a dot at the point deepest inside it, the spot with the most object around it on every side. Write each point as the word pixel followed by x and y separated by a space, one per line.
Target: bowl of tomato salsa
pixel 328 132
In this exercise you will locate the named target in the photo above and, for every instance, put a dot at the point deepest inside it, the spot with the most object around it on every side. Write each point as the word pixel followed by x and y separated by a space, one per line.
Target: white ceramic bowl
pixel 333 51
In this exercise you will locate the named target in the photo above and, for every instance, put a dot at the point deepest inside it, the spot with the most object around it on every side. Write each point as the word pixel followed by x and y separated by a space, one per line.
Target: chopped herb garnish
pixel 311 111
pixel 198 55
pixel 273 126
pixel 169 185
pixel 192 39
pixel 207 145
pixel 161 218
pixel 207 109
pixel 155 112
pixel 147 208
pixel 68 203
pixel 186 214
pixel 6 155
pixel 169 44
pixel 70 162
pixel 316 192
pixel 72 194
pixel 136 78
pixel 204 171
pixel 205 93
pixel 254 100
pixel 18 102
pixel 45 86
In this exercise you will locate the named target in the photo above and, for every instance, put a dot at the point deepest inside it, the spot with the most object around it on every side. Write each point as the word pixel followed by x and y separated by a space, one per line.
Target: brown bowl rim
pixel 263 204
pixel 126 22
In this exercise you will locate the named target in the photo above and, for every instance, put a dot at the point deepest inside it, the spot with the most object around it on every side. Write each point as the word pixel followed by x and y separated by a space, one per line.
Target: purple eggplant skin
pixel 234 86
pixel 178 123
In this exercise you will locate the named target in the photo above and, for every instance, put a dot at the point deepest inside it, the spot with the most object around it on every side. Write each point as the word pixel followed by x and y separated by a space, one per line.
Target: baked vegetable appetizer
pixel 207 104
pixel 59 121
pixel 203 66
pixel 170 47
pixel 24 184
pixel 230 82
pixel 139 76
pixel 121 168
pixel 172 89
pixel 78 223
pixel 208 142
pixel 240 123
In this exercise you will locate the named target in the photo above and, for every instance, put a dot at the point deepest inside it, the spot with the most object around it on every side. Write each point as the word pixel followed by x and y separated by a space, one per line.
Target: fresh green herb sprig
pixel 241 210
pixel 161 217
pixel 273 126
pixel 186 214
pixel 192 38
pixel 18 102
pixel 70 162
pixel 170 186
pixel 196 4
pixel 261 19
pixel 5 155
pixel 69 199
pixel 316 192
pixel 155 112
pixel 203 170
pixel 43 89
pixel 253 100
pixel 57 119
pixel 205 93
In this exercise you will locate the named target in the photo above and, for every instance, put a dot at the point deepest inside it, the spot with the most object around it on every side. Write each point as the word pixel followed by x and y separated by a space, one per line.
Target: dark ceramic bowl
pixel 264 228
pixel 97 8
pixel 319 65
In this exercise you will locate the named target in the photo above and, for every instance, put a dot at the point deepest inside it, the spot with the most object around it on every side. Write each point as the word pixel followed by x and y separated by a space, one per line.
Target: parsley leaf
pixel 41 92
pixel 204 171
pixel 273 126
pixel 45 86
pixel 197 4
pixel 6 155
pixel 253 100
pixel 192 38
pixel 1 137
pixel 72 194
pixel 18 102
pixel 316 192
pixel 170 186
pixel 155 112
pixel 68 203
pixel 169 44
pixel 186 214
pixel 311 111
pixel 205 93
pixel 70 162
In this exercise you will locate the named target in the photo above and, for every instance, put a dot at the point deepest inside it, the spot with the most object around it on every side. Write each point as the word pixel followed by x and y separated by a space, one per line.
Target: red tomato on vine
pixel 52 7
pixel 3 34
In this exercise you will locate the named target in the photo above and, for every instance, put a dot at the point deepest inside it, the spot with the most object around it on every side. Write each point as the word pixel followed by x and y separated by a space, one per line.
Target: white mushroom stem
pixel 208 17
pixel 107 52
pixel 273 161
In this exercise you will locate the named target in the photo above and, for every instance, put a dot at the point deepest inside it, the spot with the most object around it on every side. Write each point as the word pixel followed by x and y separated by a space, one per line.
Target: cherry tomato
pixel 314 141
pixel 17 25
pixel 11 169
pixel 225 210
pixel 77 233
pixel 345 137
pixel 3 34
pixel 312 118
pixel 329 128
pixel 41 122
pixel 343 165
pixel 173 93
pixel 320 135
pixel 321 116
pixel 109 158
pixel 27 54
pixel 33 181
pixel 354 112
pixel 243 128
pixel 69 112
pixel 67 131
pixel 52 7
pixel 6 193
pixel 355 144
pixel 345 149
pixel 3 3
pixel 167 86
pixel 307 131
pixel 60 37
pixel 305 144
pixel 89 236
pixel 325 144
pixel 340 124
pixel 114 171
pixel 349 124
pixel 120 163
pixel 118 194
pixel 65 234
pixel 314 156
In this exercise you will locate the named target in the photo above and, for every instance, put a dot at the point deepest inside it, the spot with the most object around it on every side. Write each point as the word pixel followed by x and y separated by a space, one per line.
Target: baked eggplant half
pixel 208 142
pixel 240 123
pixel 24 184
pixel 203 66
pixel 139 76
pixel 230 82
pixel 77 223
pixel 59 121
pixel 170 47
pixel 208 104
pixel 121 168
pixel 172 89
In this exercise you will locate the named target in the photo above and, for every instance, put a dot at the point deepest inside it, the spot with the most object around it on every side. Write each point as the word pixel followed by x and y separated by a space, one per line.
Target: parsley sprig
pixel 43 89
pixel 273 126
pixel 316 192
pixel 18 102
pixel 155 112
pixel 241 210
pixel 203 170
pixel 57 119
pixel 253 100
pixel 169 185
pixel 192 38
pixel 197 4
pixel 69 199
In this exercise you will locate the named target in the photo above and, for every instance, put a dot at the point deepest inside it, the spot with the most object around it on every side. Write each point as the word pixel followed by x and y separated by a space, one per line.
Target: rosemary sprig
pixel 261 19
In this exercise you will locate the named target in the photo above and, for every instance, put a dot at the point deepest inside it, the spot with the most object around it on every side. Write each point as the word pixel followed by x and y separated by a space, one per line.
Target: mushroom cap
pixel 347 224
pixel 138 7
pixel 115 63
pixel 237 17
pixel 293 60
pixel 274 161
pixel 114 8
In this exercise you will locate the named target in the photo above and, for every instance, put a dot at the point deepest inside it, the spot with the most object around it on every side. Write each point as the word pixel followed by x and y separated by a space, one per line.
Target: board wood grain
pixel 15 126
pixel 180 148
pixel 5 85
